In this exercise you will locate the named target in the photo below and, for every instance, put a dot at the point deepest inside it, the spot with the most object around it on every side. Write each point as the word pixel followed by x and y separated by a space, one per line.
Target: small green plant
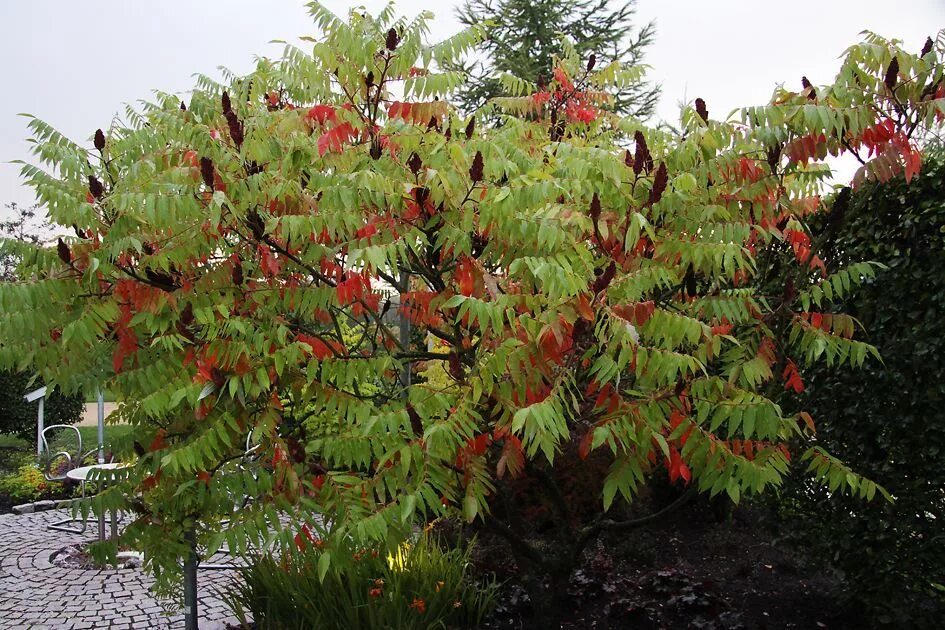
pixel 422 585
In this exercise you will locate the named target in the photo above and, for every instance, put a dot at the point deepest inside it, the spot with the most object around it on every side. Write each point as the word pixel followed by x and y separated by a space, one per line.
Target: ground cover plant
pixel 594 293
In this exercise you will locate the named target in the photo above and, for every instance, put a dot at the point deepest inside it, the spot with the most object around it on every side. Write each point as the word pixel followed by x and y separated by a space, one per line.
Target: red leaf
pixel 333 140
pixel 512 459
pixel 320 114
pixel 270 264
pixel 352 289
pixel 792 378
pixel 158 442
pixel 584 448
pixel 320 349
pixel 465 280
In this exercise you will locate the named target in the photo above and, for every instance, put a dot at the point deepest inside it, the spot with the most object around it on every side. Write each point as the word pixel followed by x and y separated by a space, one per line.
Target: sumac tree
pixel 589 289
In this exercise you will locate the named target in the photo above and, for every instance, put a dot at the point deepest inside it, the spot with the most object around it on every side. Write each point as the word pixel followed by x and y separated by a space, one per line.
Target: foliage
pixel 27 484
pixel 22 233
pixel 887 421
pixel 234 256
pixel 525 36
pixel 418 586
pixel 19 417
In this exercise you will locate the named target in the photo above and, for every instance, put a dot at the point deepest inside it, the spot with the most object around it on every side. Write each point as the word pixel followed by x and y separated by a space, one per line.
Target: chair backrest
pixel 250 453
pixel 72 459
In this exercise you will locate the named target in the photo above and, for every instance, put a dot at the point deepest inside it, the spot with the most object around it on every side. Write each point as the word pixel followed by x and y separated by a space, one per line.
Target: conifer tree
pixel 525 35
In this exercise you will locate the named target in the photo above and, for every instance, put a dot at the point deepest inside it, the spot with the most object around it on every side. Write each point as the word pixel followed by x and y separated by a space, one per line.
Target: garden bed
pixel 692 571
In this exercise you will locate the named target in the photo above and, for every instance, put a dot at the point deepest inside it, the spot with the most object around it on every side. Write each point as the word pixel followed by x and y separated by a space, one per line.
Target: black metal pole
pixel 190 583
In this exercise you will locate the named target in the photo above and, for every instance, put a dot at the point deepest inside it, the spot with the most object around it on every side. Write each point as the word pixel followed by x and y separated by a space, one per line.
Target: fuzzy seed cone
pixel 393 39
pixel 206 171
pixel 660 180
pixel 604 279
pixel 256 224
pixel 806 84
pixel 236 128
pixel 641 159
pixel 237 273
pixel 774 157
pixel 414 163
pixel 702 110
pixel 63 251
pixel 594 212
pixel 690 281
pixel 415 422
pixel 892 73
pixel 95 187
pixel 927 48
pixel 187 315
pixel 476 170
pixel 99 140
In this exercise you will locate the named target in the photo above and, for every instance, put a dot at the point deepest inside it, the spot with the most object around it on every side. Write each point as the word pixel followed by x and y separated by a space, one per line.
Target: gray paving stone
pixel 36 594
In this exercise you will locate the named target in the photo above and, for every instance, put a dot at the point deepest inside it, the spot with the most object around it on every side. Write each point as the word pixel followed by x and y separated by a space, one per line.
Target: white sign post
pixel 33 396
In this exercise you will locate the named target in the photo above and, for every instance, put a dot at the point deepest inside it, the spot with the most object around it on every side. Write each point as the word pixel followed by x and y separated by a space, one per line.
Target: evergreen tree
pixel 22 227
pixel 526 34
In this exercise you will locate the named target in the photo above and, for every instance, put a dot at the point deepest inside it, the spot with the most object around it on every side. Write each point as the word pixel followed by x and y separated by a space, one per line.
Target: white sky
pixel 74 64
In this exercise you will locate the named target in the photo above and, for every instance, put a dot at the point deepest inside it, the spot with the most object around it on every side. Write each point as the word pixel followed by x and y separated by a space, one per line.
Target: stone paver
pixel 34 593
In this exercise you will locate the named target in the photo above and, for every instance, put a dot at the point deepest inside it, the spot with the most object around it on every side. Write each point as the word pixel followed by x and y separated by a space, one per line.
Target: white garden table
pixel 81 475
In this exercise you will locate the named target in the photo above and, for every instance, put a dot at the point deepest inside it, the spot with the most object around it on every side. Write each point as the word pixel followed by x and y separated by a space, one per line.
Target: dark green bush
pixel 422 586
pixel 19 417
pixel 887 421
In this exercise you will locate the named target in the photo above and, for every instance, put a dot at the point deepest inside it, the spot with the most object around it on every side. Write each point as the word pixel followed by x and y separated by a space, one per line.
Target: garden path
pixel 34 593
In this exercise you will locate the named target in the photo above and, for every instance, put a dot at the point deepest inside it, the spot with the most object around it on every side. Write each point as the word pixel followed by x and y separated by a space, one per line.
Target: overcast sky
pixel 74 64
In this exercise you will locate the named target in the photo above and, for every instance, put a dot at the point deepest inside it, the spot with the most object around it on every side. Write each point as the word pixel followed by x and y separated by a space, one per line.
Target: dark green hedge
pixel 19 417
pixel 888 420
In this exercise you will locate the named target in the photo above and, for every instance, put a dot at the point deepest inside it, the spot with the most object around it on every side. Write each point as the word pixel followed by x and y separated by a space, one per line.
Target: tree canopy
pixel 590 288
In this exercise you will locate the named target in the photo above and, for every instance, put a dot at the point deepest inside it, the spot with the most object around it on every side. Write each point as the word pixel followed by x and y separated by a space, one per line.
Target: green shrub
pixel 422 586
pixel 27 484
pixel 19 417
pixel 887 421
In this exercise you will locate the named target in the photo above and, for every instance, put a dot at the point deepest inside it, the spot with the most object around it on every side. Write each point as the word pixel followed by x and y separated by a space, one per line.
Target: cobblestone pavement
pixel 34 593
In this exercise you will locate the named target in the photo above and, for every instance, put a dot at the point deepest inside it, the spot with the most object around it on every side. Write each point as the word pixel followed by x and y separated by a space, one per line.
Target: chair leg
pixel 62 526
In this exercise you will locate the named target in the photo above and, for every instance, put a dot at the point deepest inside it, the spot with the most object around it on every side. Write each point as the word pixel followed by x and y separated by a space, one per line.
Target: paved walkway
pixel 37 594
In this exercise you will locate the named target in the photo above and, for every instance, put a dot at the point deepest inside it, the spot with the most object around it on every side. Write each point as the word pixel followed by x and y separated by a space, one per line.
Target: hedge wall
pixel 888 420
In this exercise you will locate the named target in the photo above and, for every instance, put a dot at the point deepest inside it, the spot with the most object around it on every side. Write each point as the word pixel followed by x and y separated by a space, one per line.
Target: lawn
pixel 116 438
pixel 93 398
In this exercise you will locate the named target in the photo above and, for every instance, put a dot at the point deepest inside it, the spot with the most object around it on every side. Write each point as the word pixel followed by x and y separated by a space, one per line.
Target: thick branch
pixel 594 529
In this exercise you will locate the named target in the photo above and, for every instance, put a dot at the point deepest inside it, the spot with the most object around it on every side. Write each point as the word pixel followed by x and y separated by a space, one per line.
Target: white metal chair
pixel 52 472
